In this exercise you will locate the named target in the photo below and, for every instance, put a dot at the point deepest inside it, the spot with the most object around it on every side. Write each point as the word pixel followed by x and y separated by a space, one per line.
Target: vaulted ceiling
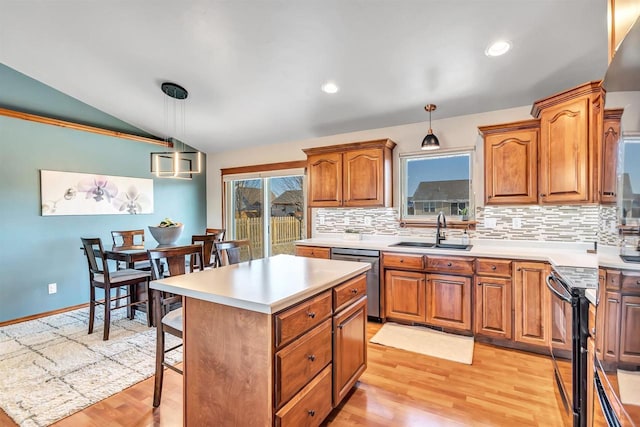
pixel 253 68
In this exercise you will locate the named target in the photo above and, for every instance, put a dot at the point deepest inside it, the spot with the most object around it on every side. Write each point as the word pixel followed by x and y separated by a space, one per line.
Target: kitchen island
pixel 275 341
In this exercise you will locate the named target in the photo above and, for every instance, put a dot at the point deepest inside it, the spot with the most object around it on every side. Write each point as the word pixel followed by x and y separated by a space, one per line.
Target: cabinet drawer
pixel 450 265
pixel 299 319
pixel 630 280
pixel 309 407
pixel 313 252
pixel 349 291
pixel 297 363
pixel 493 267
pixel 613 279
pixel 403 261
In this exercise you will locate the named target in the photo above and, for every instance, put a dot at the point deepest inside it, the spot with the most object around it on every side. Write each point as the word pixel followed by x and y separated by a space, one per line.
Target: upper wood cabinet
pixel 570 137
pixel 351 175
pixel 609 158
pixel 511 162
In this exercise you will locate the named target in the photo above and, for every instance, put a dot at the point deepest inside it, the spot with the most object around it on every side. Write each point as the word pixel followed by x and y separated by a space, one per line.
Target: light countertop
pixel 264 285
pixel 556 253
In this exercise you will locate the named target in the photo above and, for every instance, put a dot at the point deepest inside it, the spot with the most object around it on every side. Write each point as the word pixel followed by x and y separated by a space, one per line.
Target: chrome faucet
pixel 440 236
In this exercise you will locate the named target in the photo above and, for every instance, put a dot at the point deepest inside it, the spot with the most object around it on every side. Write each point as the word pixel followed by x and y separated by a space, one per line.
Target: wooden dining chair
pixel 167 307
pixel 234 251
pixel 128 238
pixel 219 233
pixel 101 277
pixel 209 253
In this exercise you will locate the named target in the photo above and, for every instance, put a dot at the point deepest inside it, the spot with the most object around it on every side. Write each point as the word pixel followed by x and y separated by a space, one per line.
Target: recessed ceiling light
pixel 330 87
pixel 498 48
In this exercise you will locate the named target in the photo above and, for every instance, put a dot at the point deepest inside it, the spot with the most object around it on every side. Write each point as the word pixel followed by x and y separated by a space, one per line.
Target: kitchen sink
pixel 428 245
pixel 415 244
pixel 630 258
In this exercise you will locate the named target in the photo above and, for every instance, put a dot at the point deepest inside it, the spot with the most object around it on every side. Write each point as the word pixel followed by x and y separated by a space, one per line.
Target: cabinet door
pixel 629 336
pixel 611 326
pixel 364 177
pixel 493 307
pixel 325 180
pixel 532 302
pixel 561 324
pixel 405 295
pixel 600 310
pixel 609 160
pixel 564 152
pixel 511 167
pixel 449 301
pixel 349 348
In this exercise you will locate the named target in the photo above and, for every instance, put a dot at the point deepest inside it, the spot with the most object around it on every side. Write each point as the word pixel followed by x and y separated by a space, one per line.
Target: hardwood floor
pixel 502 388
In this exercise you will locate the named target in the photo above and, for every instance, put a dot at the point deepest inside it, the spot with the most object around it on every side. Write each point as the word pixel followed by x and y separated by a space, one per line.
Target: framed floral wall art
pixel 71 193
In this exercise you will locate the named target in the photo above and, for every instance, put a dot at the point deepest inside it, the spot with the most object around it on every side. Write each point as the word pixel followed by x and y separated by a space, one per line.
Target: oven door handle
pixel 552 277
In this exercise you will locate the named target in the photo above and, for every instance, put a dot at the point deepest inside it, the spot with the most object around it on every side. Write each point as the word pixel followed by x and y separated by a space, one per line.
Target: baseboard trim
pixel 40 315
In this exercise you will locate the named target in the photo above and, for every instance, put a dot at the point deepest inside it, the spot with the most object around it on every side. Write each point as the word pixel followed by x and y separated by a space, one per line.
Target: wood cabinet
pixel 570 135
pixel 612 326
pixel 532 303
pixel 351 175
pixel 629 337
pixel 449 301
pixel 313 251
pixel 511 163
pixel 493 306
pixel 609 158
pixel 349 347
pixel 405 295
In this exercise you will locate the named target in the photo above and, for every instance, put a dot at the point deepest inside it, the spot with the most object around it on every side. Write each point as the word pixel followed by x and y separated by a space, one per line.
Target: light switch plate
pixel 367 220
pixel 490 222
pixel 516 222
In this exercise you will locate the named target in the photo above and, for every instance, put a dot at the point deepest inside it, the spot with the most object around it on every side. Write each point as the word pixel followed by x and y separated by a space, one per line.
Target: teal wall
pixel 37 250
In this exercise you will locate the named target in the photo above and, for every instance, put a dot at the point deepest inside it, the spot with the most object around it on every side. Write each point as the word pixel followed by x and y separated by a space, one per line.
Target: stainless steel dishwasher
pixel 373 275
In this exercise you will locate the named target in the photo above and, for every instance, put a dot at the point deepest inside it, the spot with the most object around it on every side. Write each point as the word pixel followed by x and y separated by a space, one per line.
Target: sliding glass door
pixel 268 211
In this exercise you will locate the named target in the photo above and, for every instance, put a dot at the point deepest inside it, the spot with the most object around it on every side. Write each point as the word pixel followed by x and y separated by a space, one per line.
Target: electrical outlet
pixel 346 220
pixel 53 288
pixel 516 222
pixel 321 220
pixel 367 220
pixel 490 222
pixel 612 227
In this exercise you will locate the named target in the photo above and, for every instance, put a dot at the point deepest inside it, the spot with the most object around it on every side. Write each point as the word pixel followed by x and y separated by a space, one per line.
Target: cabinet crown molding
pixel 593 87
pixel 613 113
pixel 508 127
pixel 378 143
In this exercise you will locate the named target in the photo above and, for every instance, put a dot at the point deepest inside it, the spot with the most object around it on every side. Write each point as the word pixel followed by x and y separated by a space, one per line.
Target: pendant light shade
pixel 175 164
pixel 430 142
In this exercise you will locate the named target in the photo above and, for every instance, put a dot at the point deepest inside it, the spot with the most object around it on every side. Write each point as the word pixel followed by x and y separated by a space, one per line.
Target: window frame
pixel 430 220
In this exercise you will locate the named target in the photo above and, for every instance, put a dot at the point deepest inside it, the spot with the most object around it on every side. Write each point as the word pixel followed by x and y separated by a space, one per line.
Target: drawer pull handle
pixel 311 314
pixel 401 261
pixel 493 267
pixel 311 357
pixel 355 291
pixel 311 412
pixel 448 264
pixel 638 282
pixel 593 331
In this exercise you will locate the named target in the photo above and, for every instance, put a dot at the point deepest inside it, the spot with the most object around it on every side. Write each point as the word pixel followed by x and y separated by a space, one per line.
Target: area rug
pixel 51 368
pixel 426 341
pixel 629 385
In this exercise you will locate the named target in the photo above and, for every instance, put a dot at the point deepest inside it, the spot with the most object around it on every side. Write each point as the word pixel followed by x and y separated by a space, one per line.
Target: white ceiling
pixel 253 68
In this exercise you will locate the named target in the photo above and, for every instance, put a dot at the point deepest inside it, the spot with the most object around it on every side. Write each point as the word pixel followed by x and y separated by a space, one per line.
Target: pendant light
pixel 430 142
pixel 175 164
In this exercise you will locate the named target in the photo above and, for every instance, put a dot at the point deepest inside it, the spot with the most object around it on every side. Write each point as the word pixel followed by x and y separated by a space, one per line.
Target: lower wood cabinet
pixel 532 303
pixel 493 307
pixel 611 326
pixel 449 301
pixel 349 348
pixel 629 337
pixel 405 295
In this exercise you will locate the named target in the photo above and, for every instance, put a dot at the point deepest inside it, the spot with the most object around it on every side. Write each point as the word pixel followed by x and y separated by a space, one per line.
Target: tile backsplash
pixel 570 223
